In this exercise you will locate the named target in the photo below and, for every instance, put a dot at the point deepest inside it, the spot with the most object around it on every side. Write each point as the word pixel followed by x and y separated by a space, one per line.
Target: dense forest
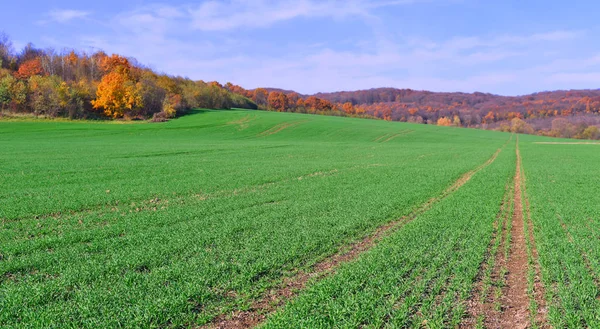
pixel 571 114
pixel 74 84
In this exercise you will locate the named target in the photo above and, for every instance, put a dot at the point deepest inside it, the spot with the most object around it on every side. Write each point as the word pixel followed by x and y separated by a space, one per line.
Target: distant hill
pixel 578 108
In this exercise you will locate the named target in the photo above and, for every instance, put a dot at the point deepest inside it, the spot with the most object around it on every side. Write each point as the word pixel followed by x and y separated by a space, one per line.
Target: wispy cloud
pixel 463 43
pixel 65 15
pixel 228 15
pixel 202 41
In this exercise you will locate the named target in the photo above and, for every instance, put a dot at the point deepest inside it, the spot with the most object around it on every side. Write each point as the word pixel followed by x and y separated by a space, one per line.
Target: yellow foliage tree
pixel 520 127
pixel 118 95
pixel 456 121
pixel 443 121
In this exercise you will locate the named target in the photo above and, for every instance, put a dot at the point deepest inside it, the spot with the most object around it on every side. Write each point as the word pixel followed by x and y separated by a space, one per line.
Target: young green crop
pixel 150 225
pixel 562 187
pixel 418 277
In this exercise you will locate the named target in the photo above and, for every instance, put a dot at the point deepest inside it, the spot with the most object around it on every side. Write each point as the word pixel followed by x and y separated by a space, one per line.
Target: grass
pixel 173 224
pixel 419 276
pixel 562 186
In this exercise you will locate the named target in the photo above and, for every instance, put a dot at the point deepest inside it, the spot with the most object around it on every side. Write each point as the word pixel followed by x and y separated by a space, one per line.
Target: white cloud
pixel 464 43
pixel 557 35
pixel 577 78
pixel 571 64
pixel 65 15
pixel 227 15
pixel 182 40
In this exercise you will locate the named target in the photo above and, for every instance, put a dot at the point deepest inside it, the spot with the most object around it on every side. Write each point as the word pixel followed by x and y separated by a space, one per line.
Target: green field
pixel 195 221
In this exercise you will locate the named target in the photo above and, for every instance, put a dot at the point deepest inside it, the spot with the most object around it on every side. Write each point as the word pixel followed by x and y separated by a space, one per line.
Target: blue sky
pixel 502 47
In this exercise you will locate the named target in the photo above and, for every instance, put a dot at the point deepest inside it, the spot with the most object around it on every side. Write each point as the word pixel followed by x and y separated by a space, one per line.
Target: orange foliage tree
pixel 348 108
pixel 118 94
pixel 30 68
pixel 277 101
pixel 443 121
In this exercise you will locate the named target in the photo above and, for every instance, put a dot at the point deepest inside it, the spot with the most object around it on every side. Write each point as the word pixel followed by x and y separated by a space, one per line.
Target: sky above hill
pixel 505 47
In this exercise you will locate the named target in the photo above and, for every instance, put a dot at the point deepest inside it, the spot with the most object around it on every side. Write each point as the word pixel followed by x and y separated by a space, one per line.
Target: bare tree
pixel 6 51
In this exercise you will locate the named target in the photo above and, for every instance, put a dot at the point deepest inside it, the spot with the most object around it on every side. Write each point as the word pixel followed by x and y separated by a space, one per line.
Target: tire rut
pixel 523 293
pixel 483 306
pixel 275 298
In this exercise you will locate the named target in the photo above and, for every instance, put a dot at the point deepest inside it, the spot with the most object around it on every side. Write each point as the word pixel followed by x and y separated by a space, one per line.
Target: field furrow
pixel 202 218
pixel 515 300
pixel 275 298
pixel 421 275
pixel 484 306
pixel 560 218
pixel 236 219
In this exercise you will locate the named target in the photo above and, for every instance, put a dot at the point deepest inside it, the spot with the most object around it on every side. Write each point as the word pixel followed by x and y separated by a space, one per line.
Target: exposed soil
pixel 483 304
pixel 538 287
pixel 277 297
pixel 515 300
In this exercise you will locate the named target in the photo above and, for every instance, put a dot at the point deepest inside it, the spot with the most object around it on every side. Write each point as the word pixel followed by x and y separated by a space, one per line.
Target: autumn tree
pixel 312 103
pixel 292 100
pixel 171 104
pixel 277 101
pixel 44 97
pixel 28 53
pixel 6 86
pixel 348 108
pixel 591 132
pixel 456 121
pixel 520 127
pixel 443 121
pixel 13 93
pixel 562 128
pixel 118 94
pixel 71 83
pixel 115 63
pixel 153 96
pixel 30 68
pixel 260 97
pixel 75 98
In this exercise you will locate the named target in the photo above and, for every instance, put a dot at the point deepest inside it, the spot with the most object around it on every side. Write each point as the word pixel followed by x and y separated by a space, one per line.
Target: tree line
pixel 570 114
pixel 75 84
pixel 95 85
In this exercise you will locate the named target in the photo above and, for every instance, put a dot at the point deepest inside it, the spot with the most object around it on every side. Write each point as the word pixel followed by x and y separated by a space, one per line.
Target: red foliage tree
pixel 30 68
pixel 278 101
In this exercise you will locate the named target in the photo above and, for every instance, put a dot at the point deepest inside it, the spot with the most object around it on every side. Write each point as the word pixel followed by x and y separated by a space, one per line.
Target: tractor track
pixel 275 298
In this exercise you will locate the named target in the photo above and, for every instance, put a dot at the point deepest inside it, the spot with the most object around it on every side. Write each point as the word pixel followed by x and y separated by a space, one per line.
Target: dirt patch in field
pixel 277 297
pixel 540 319
pixel 515 301
pixel 483 308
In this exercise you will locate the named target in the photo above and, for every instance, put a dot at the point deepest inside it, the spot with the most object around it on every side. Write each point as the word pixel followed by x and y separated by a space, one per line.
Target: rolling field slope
pixel 233 219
